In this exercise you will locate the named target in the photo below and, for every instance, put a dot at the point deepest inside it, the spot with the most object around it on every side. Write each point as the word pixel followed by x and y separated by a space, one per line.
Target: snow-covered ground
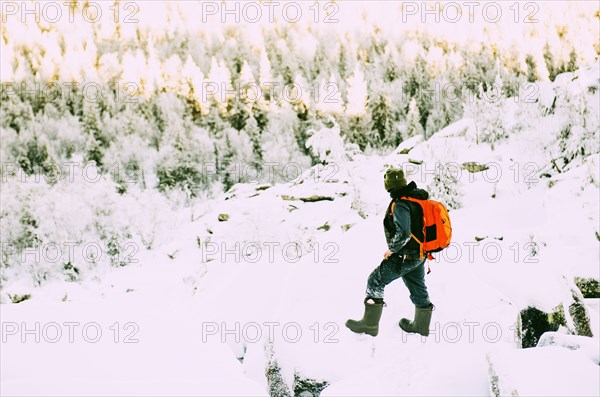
pixel 227 307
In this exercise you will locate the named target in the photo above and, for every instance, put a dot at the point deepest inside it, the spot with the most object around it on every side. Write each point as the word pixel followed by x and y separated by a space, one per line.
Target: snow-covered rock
pixel 589 346
pixel 548 371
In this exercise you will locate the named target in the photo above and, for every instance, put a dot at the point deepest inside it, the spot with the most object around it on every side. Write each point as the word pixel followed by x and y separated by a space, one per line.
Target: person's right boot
pixel 421 323
pixel 369 324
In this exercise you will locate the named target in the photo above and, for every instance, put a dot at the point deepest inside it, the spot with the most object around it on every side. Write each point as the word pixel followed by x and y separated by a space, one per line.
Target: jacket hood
pixel 410 190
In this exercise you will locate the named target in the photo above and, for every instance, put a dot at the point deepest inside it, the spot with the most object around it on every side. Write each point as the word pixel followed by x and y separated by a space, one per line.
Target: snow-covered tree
pixel 487 111
pixel 253 131
pixel 445 187
pixel 327 144
pixel 184 164
pixel 357 93
pixel 381 118
pixel 219 78
pixel 329 97
pixel 413 120
pixel 577 135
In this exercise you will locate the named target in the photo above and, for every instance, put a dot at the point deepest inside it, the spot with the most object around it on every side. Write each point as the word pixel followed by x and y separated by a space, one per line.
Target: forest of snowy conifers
pixel 117 113
pixel 192 195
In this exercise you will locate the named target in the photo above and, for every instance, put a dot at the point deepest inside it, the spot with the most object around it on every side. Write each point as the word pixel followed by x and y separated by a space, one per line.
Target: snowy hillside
pixel 250 296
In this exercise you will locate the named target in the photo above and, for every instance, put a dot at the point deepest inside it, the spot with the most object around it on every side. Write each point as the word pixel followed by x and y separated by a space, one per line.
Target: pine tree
pixel 445 111
pixel 549 59
pixel 413 120
pixel 91 119
pixel 391 70
pixel 317 65
pixel 571 66
pixel 488 112
pixel 446 188
pixel 237 113
pixel 329 99
pixel 381 117
pixel 357 93
pixel 265 74
pixel 532 75
pixel 192 80
pixel 152 80
pixel 219 76
pixel 224 166
pixel 343 62
pixel 260 113
pixel 254 132
pixel 92 125
pixel 214 121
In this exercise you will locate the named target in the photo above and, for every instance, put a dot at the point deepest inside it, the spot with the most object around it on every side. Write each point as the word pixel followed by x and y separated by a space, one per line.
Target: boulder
pixel 301 387
pixel 474 167
pixel 572 314
pixel 588 346
pixel 547 371
pixel 589 287
pixel 315 198
pixel 306 387
pixel 275 380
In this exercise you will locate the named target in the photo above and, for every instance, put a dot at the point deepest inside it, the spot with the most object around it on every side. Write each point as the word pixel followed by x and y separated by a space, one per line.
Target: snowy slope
pixel 204 301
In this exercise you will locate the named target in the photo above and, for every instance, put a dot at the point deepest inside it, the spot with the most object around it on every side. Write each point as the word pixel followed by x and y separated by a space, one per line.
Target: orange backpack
pixel 437 230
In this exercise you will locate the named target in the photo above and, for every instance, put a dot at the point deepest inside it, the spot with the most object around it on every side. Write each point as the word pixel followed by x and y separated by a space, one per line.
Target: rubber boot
pixel 369 324
pixel 421 323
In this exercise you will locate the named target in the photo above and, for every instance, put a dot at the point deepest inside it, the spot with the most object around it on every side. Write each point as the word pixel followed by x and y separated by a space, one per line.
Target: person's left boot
pixel 420 325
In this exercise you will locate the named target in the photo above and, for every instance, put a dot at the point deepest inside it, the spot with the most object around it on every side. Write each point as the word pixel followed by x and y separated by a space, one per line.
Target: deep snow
pixel 533 239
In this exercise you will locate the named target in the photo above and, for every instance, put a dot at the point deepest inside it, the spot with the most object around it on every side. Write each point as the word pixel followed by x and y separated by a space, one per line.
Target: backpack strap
pixel 421 252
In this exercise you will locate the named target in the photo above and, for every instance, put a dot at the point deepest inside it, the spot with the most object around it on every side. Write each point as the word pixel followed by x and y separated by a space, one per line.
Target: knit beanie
pixel 394 179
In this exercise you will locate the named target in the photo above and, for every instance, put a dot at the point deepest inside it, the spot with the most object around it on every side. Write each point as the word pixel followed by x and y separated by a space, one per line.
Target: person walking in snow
pixel 402 259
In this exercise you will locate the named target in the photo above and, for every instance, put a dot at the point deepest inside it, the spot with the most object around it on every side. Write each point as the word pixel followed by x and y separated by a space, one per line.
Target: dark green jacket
pixel 407 216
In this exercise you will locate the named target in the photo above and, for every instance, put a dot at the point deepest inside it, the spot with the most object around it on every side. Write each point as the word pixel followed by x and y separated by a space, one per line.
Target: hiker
pixel 404 258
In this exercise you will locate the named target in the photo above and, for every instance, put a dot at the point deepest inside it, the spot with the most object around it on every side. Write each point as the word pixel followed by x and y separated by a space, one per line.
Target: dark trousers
pixel 412 273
